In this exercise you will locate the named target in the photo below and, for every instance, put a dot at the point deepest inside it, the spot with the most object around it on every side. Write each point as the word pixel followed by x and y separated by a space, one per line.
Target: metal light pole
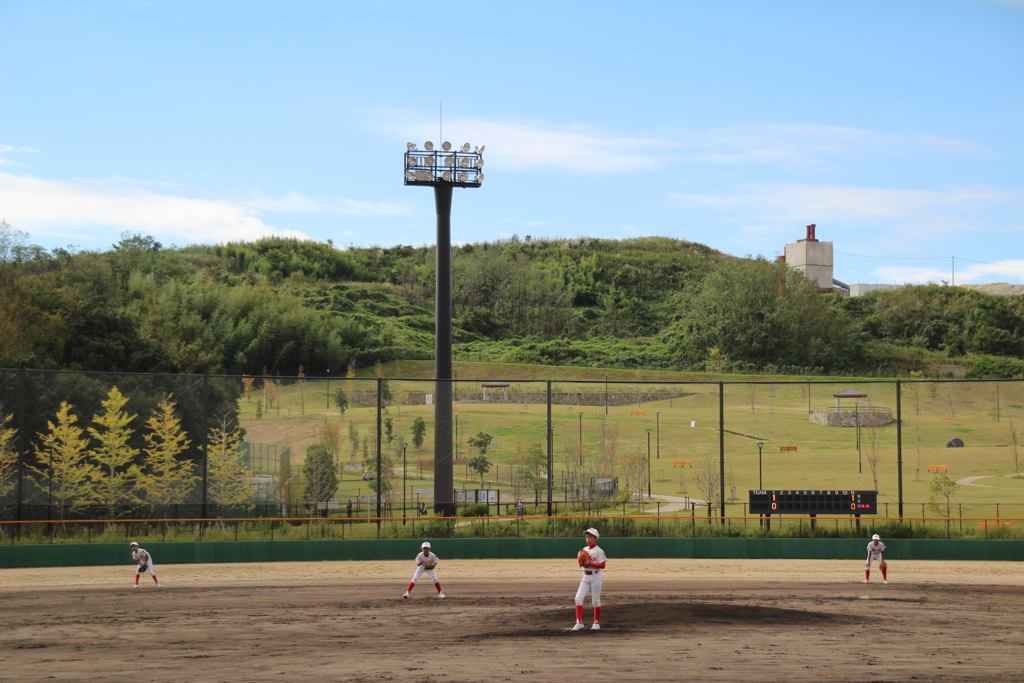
pixel 328 389
pixel 581 439
pixel 606 393
pixel 443 170
pixel 760 445
pixel 657 424
pixel 405 474
pixel 648 463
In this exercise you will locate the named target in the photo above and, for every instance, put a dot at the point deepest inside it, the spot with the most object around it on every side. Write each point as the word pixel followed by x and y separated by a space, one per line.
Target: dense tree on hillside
pixel 764 314
pixel 957 321
pixel 276 304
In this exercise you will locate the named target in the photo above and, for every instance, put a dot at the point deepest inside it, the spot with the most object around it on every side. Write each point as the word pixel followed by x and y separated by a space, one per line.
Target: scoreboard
pixel 814 502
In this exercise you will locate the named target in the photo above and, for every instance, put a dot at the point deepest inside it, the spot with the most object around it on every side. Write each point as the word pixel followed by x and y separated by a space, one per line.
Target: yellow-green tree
pixel 247 386
pixel 228 480
pixel 288 486
pixel 163 479
pixel 64 464
pixel 113 453
pixel 331 437
pixel 941 486
pixel 8 457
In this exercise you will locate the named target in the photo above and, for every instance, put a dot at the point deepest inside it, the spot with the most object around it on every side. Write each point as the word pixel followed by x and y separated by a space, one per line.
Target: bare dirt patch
pixel 298 433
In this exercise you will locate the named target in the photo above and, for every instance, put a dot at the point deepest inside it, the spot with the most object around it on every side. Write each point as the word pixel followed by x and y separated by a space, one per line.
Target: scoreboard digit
pixel 804 502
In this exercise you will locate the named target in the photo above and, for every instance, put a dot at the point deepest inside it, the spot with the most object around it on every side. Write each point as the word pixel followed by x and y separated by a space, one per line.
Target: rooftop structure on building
pixel 814 259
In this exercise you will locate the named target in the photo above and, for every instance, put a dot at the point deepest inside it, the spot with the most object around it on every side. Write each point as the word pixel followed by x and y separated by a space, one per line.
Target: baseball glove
pixel 429 565
pixel 583 557
pixel 883 566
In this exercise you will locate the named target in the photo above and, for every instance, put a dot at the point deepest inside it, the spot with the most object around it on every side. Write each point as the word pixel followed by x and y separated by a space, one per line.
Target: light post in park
pixel 405 474
pixel 760 485
pixel 443 170
pixel 648 462
pixel 581 439
pixel 657 434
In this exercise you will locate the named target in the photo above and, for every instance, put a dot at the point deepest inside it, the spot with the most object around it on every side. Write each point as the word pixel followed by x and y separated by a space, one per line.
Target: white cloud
pixel 1010 270
pixel 902 275
pixel 76 208
pixel 808 143
pixel 910 214
pixel 9 149
pixel 521 145
pixel 53 208
pixel 294 202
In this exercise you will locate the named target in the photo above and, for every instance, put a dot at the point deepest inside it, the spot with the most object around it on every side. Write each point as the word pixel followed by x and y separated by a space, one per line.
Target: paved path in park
pixel 677 503
pixel 969 481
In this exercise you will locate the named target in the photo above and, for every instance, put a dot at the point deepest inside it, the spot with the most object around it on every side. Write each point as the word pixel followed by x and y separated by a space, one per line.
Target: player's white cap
pixel 876 537
pixel 132 544
pixel 425 545
pixel 593 532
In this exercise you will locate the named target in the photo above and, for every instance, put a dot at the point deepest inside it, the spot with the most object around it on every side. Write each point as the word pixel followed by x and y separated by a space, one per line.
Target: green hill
pixel 281 306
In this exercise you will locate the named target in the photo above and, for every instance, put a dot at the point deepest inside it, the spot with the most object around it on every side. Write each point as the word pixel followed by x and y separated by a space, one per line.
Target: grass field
pixel 681 410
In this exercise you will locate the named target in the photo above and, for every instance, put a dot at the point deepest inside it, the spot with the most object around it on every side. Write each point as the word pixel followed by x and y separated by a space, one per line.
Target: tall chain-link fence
pixel 356 455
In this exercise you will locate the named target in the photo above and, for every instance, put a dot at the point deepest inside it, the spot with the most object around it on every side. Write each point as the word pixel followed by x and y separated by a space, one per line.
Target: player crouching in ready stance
pixel 425 562
pixel 876 553
pixel 145 561
pixel 591 560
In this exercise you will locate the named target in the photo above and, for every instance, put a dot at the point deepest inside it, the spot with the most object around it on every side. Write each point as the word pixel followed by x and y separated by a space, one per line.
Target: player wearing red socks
pixel 876 553
pixel 145 561
pixel 425 562
pixel 592 562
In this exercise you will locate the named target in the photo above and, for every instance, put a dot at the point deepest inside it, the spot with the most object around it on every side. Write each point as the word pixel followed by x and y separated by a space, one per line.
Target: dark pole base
pixel 444 494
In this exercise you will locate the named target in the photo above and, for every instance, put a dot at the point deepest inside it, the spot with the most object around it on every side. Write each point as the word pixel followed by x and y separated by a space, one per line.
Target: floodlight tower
pixel 443 170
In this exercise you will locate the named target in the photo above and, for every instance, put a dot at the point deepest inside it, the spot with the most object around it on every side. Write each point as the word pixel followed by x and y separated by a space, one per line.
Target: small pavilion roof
pixel 850 393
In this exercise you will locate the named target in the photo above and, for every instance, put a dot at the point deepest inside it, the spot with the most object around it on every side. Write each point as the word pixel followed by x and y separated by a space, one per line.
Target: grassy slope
pixel 827 457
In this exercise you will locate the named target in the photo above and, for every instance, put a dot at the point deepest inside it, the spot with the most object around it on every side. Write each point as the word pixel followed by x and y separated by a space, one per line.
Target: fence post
pixel 377 486
pixel 21 443
pixel 721 447
pixel 899 448
pixel 206 440
pixel 549 439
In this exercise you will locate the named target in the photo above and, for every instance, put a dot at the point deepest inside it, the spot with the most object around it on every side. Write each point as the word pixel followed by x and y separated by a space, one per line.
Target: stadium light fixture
pixel 443 170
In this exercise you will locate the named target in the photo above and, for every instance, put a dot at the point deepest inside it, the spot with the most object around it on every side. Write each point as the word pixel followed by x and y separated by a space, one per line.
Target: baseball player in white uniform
pixel 425 563
pixel 876 553
pixel 591 581
pixel 145 561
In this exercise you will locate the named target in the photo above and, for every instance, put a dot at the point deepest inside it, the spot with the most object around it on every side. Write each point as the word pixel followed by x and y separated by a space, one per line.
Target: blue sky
pixel 896 127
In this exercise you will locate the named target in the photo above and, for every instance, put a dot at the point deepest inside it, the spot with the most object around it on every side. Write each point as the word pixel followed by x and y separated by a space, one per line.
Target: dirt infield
pixel 708 620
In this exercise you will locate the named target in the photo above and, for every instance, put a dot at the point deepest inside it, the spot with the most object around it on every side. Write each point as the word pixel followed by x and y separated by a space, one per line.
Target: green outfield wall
pixel 92 554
